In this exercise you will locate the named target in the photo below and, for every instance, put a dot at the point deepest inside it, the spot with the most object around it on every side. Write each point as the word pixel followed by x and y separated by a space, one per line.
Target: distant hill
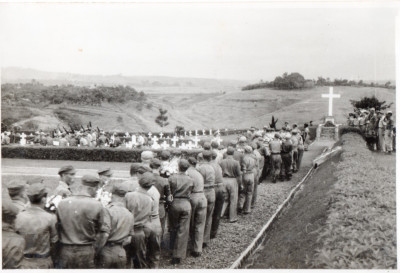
pixel 159 84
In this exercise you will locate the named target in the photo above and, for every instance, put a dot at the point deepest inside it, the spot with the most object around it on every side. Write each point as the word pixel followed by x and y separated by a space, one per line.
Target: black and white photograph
pixel 199 135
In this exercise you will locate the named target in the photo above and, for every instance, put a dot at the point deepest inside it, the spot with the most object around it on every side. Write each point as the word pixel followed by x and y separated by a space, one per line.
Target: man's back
pixel 207 171
pixel 181 185
pixel 121 222
pixel 13 246
pixel 38 228
pixel 140 204
pixel 230 167
pixel 198 180
pixel 81 217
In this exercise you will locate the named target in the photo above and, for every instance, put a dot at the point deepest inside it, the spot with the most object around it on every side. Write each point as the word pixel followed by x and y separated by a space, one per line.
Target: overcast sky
pixel 232 41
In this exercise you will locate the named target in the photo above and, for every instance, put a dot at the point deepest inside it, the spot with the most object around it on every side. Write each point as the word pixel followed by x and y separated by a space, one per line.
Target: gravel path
pixel 233 238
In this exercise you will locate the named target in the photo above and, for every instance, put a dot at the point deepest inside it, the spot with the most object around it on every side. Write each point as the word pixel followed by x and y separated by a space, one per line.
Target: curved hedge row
pixel 83 153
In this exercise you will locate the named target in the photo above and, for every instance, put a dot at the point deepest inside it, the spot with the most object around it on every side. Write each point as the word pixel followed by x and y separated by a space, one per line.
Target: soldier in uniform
pixel 153 228
pixel 208 173
pixel 140 204
pixel 295 152
pixel 275 148
pixel 83 226
pixel 248 164
pixel 17 191
pixel 257 172
pixel 38 228
pixel 63 140
pixel 63 190
pixel 137 170
pixel 219 195
pixel 165 156
pixel 286 155
pixel 146 157
pixel 113 253
pixel 198 202
pixel 232 178
pixel 180 211
pixel 163 188
pixel 13 244
pixel 389 132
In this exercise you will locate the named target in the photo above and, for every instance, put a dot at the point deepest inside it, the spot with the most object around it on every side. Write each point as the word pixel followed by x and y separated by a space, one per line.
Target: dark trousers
pixel 276 160
pixel 287 163
pixel 77 257
pixel 299 158
pixel 210 196
pixel 112 257
pixel 219 203
pixel 266 170
pixel 138 249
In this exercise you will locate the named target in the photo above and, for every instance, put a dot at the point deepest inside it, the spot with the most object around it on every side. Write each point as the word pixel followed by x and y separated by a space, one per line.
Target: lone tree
pixel 368 102
pixel 162 118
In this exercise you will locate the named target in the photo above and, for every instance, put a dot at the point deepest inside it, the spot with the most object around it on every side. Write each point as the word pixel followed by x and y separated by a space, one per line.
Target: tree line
pixel 37 93
pixel 296 81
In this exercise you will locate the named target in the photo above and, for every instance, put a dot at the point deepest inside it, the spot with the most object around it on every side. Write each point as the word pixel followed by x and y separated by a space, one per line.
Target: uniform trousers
pixel 287 163
pixel 179 218
pixel 162 215
pixel 299 158
pixel 198 202
pixel 276 165
pixel 254 198
pixel 219 203
pixel 37 263
pixel 295 156
pixel 247 194
pixel 266 170
pixel 231 197
pixel 112 256
pixel 77 257
pixel 138 247
pixel 210 196
pixel 153 242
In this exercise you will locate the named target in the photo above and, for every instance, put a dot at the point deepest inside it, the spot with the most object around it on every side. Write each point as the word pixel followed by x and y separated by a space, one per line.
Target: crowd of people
pixel 99 222
pixel 378 128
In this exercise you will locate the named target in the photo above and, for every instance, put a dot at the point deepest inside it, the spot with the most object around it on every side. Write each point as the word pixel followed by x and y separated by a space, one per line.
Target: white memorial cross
pixel 190 133
pixel 161 134
pixel 155 139
pixel 330 96
pixel 185 133
pixel 218 139
pixel 149 134
pixel 190 145
pixel 204 132
pixel 165 145
pixel 23 140
pixel 133 140
pixel 210 132
pixel 174 140
pixel 196 141
pixel 196 133
pixel 218 132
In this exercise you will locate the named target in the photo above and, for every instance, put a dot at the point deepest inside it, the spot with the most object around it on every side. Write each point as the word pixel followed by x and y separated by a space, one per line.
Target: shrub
pixel 83 153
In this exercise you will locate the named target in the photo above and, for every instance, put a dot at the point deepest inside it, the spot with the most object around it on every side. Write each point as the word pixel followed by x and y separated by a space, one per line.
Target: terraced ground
pixel 237 109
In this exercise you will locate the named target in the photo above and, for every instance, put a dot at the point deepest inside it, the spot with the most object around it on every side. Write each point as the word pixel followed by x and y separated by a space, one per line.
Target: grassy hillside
pixel 210 110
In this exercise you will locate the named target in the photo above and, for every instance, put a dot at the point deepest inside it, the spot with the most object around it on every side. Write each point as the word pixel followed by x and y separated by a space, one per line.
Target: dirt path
pixel 293 237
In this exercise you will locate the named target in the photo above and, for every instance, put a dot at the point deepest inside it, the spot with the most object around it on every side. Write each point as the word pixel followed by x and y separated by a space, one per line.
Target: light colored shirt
pixel 207 172
pixel 81 218
pixel 140 204
pixel 38 228
pixel 198 180
pixel 121 222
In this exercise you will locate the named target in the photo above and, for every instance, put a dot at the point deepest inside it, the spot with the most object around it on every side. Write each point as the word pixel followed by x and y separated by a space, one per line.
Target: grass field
pixel 217 110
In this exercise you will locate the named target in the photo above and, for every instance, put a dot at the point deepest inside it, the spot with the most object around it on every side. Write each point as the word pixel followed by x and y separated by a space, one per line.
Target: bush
pixel 83 153
pixel 349 129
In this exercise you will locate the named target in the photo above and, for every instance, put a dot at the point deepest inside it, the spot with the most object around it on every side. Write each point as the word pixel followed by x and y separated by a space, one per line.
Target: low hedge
pixel 84 153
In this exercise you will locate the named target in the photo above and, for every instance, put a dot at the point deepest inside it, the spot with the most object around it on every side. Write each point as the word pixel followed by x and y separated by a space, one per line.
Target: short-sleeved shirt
pixel 230 167
pixel 140 204
pixel 275 146
pixel 181 185
pixel 198 180
pixel 38 228
pixel 287 146
pixel 162 186
pixel 13 246
pixel 121 222
pixel 80 219
pixel 208 173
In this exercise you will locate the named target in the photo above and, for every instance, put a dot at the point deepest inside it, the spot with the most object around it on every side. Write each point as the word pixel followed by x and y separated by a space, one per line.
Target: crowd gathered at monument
pixel 169 204
pixel 377 126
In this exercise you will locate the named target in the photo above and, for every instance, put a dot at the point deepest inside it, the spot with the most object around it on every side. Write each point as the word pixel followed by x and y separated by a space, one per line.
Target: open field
pixel 240 109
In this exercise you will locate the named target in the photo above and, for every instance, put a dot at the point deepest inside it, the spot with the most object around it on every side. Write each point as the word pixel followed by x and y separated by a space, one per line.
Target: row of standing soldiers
pixel 101 223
